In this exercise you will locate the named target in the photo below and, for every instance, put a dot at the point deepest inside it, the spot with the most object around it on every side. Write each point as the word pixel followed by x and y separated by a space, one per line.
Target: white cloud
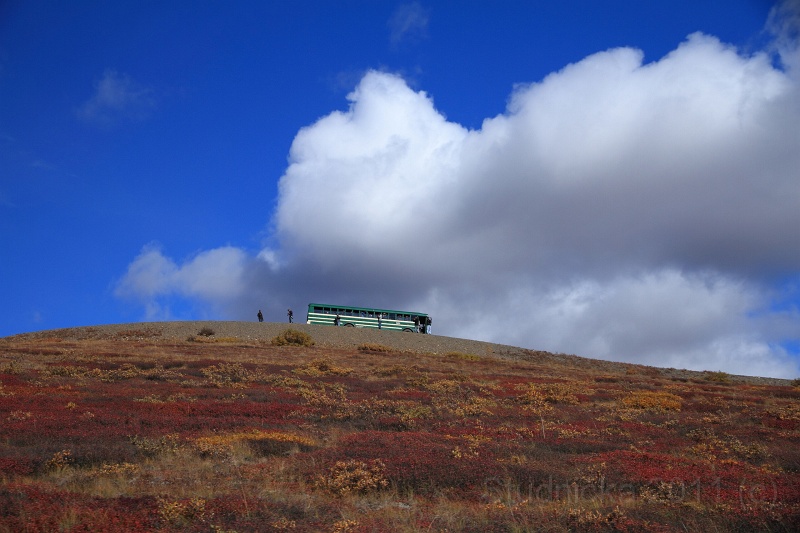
pixel 116 97
pixel 628 211
pixel 784 24
pixel 216 277
pixel 663 318
pixel 378 171
pixel 149 275
pixel 409 21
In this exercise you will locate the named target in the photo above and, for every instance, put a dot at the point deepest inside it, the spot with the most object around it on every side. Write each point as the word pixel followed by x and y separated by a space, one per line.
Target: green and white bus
pixel 368 317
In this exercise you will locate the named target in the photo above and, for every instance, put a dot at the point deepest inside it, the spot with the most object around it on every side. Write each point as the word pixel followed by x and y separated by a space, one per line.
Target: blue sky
pixel 615 179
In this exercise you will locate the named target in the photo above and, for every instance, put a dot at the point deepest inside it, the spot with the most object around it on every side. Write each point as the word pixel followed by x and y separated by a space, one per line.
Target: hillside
pixel 210 426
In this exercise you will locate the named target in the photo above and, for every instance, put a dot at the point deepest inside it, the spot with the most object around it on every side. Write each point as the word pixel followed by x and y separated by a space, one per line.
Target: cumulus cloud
pixel 215 277
pixel 621 210
pixel 663 318
pixel 784 24
pixel 117 96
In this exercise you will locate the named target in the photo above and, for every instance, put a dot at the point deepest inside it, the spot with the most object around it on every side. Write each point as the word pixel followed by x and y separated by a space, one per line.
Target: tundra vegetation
pixel 133 432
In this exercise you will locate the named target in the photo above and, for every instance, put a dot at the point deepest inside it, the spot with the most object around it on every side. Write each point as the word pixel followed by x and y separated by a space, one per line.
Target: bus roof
pixel 332 306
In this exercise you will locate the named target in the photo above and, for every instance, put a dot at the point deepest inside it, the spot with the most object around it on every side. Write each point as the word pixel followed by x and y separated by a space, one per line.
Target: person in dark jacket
pixel 260 316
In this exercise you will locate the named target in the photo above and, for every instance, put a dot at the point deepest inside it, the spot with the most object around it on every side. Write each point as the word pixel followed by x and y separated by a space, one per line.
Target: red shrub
pixel 27 508
pixel 19 466
pixel 424 462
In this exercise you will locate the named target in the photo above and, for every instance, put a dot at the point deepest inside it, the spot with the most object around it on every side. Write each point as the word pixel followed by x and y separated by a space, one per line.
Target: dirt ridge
pixel 352 338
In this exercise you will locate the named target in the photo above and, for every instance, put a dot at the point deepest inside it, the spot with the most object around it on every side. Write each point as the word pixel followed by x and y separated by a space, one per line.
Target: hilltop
pixel 351 338
pixel 242 426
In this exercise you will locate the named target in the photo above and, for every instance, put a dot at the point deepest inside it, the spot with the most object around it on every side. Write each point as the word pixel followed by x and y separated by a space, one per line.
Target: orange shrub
pixel 354 477
pixel 656 401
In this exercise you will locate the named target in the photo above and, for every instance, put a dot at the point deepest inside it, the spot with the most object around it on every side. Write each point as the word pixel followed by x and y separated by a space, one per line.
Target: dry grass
pixel 371 347
pixel 462 356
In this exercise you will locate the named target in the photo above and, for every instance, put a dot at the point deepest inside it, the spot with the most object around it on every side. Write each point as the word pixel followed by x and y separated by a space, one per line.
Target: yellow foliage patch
pixel 322 367
pixel 538 393
pixel 228 439
pixel 656 401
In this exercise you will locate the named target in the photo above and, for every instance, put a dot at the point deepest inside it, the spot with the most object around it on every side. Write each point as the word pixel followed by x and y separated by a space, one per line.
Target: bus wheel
pixel 409 330
pixel 350 325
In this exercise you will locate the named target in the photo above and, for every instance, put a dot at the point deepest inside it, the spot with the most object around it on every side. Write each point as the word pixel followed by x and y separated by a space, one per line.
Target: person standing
pixel 290 315
pixel 336 320
pixel 379 320
pixel 260 316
